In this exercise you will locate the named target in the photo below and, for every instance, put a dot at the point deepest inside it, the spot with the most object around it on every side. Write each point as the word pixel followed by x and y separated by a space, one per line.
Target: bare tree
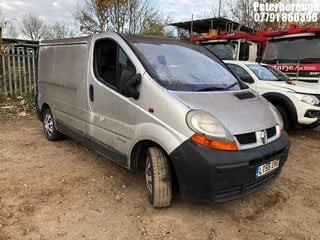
pixel 11 31
pixel 92 16
pixel 32 27
pixel 58 30
pixel 7 28
pixel 117 14
pixel 243 11
pixel 130 16
pixel 142 16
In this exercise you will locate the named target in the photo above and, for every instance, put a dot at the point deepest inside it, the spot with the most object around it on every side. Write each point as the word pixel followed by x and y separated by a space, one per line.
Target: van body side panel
pixel 70 104
pixel 62 83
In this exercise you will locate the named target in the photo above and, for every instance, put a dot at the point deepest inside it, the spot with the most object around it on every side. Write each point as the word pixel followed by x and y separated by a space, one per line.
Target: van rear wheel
pixel 49 127
pixel 158 178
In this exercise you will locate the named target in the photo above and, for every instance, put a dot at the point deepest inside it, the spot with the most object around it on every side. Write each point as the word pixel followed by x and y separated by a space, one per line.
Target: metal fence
pixel 18 70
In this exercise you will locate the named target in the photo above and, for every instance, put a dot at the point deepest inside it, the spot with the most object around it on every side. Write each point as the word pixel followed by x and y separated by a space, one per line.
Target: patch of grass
pixel 3 96
pixel 27 101
pixel 18 106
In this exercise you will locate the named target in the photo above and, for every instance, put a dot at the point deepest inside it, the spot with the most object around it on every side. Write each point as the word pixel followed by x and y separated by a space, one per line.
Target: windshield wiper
pixel 216 88
pixel 232 85
pixel 209 89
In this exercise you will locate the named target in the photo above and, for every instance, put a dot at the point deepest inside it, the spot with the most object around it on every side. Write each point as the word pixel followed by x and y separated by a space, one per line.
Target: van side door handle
pixel 91 93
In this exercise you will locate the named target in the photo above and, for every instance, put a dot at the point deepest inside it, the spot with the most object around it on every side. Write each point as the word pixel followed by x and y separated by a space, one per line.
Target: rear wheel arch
pixel 44 107
pixel 46 110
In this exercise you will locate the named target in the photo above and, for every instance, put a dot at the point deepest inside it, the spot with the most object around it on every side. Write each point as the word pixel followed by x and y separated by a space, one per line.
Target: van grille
pixel 250 138
pixel 271 132
pixel 247 138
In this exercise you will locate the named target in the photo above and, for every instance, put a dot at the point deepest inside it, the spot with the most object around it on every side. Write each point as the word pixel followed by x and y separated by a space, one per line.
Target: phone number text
pixel 286 17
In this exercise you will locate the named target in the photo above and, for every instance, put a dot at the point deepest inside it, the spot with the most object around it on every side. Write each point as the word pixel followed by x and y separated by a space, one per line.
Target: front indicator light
pixel 213 143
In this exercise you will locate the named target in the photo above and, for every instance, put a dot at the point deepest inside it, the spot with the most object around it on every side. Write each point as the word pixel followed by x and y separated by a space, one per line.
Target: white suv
pixel 298 102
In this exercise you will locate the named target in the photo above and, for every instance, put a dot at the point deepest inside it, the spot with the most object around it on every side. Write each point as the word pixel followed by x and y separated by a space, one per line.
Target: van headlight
pixel 209 131
pixel 306 98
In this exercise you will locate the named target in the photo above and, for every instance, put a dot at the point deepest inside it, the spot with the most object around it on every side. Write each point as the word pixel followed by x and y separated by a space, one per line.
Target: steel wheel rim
pixel 148 172
pixel 48 124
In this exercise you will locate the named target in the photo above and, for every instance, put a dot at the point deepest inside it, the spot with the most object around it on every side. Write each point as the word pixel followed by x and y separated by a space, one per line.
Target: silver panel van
pixel 165 106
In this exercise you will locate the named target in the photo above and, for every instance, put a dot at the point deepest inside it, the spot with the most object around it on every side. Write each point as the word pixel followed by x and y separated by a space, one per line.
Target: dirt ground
pixel 61 190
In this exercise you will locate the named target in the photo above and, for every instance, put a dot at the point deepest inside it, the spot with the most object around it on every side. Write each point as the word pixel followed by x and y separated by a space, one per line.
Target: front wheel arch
pixel 284 104
pixel 139 156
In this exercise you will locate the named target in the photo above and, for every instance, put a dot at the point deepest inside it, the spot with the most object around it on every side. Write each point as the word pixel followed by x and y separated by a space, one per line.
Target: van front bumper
pixel 211 176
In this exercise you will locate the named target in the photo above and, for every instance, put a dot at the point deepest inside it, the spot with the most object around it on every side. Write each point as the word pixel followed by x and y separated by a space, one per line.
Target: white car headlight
pixel 310 99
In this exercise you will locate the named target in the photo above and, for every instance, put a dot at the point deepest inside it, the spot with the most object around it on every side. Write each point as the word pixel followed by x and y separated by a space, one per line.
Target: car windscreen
pixel 302 49
pixel 267 73
pixel 224 50
pixel 184 67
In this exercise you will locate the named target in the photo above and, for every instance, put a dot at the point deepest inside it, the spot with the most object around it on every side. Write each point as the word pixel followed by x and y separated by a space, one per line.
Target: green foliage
pixel 154 27
pixel 3 96
pixel 27 101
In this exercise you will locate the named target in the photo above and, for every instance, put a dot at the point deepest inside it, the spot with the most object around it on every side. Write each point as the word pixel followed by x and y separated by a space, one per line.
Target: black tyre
pixel 158 178
pixel 49 127
pixel 287 123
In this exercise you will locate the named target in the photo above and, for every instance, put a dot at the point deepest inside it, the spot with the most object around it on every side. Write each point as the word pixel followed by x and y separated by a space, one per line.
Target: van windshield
pixel 184 67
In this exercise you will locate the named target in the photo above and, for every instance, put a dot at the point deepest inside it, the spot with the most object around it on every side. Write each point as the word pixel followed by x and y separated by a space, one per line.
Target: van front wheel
pixel 158 178
pixel 49 127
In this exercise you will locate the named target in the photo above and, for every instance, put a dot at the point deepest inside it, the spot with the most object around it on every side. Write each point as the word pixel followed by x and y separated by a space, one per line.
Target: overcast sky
pixel 53 10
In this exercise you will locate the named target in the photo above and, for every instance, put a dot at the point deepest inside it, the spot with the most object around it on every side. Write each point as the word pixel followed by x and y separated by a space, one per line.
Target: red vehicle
pixel 295 51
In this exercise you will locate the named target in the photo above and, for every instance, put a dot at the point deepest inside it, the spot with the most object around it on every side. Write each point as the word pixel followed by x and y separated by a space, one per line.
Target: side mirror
pixel 247 79
pixel 128 84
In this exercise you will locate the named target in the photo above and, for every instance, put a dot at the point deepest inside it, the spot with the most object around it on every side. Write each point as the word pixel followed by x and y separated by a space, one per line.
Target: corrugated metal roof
pixel 204 25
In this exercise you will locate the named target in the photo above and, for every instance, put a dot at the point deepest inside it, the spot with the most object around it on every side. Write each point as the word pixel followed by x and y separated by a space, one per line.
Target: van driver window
pixel 109 62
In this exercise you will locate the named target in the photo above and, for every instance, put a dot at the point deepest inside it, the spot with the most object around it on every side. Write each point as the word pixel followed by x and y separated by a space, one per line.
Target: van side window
pixel 125 63
pixel 109 62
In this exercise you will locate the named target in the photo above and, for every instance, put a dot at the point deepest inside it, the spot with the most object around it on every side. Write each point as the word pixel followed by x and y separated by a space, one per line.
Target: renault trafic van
pixel 165 106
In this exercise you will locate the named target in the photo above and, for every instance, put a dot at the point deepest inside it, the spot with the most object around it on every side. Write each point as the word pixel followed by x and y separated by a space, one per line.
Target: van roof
pixel 75 40
pixel 129 37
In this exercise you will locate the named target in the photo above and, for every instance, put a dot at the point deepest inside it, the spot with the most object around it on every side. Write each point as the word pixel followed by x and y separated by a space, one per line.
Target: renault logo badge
pixel 263 136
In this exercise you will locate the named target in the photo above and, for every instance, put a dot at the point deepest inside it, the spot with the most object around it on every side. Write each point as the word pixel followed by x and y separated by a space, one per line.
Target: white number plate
pixel 267 167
